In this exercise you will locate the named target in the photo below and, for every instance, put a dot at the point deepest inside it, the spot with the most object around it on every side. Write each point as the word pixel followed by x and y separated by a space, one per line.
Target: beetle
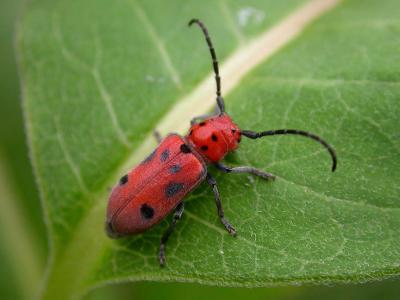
pixel 158 185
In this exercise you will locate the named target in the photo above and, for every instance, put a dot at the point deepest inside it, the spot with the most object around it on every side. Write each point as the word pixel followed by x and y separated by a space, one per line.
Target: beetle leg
pixel 244 169
pixel 213 183
pixel 157 135
pixel 195 120
pixel 177 216
pixel 205 116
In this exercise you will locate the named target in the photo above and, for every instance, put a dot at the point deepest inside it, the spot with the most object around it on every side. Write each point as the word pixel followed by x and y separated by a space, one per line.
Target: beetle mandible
pixel 157 186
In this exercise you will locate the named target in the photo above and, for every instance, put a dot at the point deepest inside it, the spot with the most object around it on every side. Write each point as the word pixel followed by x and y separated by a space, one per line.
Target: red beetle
pixel 158 185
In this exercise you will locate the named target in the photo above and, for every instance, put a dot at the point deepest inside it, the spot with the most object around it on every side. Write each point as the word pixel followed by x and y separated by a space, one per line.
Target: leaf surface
pixel 99 77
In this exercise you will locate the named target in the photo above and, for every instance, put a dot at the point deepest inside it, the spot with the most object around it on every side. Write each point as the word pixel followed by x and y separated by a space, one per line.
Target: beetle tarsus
pixel 231 230
pixel 161 255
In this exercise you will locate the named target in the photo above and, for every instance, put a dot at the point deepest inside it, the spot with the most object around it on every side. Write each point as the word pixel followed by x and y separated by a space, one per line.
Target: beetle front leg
pixel 157 135
pixel 243 169
pixel 205 116
pixel 213 183
pixel 177 216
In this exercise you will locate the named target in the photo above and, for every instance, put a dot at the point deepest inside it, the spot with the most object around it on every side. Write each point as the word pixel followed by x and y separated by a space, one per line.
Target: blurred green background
pixel 23 244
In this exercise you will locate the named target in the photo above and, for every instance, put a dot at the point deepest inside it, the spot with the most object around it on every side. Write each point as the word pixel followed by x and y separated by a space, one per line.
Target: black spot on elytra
pixel 233 130
pixel 185 148
pixel 204 148
pixel 164 155
pixel 173 188
pixel 146 211
pixel 214 137
pixel 150 157
pixel 123 180
pixel 175 169
pixel 202 123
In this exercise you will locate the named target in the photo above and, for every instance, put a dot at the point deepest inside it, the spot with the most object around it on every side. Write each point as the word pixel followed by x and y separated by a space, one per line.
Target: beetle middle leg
pixel 213 183
pixel 244 169
pixel 177 216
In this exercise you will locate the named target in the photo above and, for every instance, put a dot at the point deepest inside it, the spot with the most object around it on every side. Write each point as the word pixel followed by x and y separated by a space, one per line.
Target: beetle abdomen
pixel 149 192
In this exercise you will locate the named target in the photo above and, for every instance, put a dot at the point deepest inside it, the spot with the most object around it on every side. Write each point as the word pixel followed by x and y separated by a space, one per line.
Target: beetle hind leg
pixel 177 216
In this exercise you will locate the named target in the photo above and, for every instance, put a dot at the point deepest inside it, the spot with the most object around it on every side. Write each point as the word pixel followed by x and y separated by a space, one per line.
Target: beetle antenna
pixel 220 100
pixel 256 135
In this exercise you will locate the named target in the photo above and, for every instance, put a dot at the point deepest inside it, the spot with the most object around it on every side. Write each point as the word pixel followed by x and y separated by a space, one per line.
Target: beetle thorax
pixel 214 137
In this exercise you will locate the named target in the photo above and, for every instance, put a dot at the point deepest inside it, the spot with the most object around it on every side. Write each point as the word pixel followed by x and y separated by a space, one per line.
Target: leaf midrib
pixel 88 239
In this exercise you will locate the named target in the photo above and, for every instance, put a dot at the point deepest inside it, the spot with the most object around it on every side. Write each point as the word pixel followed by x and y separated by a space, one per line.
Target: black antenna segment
pixel 220 100
pixel 256 135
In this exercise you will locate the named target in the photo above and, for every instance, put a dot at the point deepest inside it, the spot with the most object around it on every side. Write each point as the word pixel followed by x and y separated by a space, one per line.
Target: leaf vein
pixel 105 96
pixel 337 199
pixel 107 100
pixel 231 22
pixel 322 82
pixel 74 168
pixel 158 42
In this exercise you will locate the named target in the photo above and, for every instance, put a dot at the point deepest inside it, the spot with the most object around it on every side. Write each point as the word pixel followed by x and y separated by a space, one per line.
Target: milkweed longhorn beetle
pixel 149 192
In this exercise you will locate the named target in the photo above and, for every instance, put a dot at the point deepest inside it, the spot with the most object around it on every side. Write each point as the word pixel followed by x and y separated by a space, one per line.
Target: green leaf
pixel 98 77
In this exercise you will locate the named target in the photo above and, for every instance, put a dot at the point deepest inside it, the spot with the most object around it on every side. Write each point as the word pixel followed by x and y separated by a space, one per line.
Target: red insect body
pixel 154 188
pixel 149 192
